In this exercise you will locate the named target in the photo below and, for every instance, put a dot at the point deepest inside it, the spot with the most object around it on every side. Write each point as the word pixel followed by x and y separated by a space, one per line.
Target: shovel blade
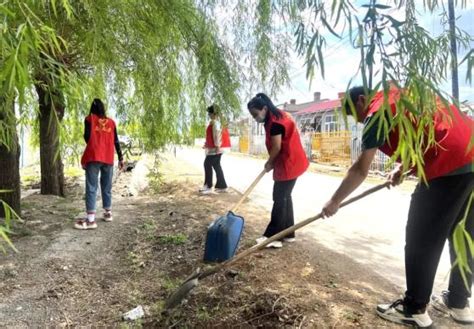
pixel 177 297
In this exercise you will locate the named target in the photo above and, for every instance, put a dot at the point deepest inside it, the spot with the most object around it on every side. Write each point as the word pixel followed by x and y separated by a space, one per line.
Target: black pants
pixel 214 161
pixel 282 211
pixel 434 213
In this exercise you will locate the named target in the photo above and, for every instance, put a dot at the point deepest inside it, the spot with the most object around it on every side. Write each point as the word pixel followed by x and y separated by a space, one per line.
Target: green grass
pixel 30 174
pixel 133 258
pixel 73 172
pixel 149 230
pixel 155 180
pixel 177 239
pixel 29 179
pixel 134 324
pixel 170 284
pixel 202 314
pixel 157 307
pixel 352 316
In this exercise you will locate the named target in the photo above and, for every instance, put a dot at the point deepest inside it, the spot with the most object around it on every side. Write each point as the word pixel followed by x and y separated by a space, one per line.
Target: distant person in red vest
pixel 217 141
pixel 100 134
pixel 435 209
pixel 287 159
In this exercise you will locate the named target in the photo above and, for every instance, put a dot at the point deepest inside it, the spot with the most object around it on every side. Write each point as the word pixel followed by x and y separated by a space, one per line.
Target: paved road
pixel 370 231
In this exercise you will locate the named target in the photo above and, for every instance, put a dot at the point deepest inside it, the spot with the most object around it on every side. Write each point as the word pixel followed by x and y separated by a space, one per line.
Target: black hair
pixel 98 108
pixel 353 94
pixel 261 100
pixel 213 109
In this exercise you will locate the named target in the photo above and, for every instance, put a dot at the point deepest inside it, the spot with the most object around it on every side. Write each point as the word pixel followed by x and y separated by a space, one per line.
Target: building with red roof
pixel 320 115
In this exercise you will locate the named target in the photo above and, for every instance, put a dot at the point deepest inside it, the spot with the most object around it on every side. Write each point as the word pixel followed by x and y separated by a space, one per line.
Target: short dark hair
pixel 352 96
pixel 98 108
pixel 213 109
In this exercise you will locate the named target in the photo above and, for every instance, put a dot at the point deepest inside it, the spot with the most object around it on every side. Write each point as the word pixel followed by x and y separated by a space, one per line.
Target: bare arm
pixel 275 150
pixel 354 177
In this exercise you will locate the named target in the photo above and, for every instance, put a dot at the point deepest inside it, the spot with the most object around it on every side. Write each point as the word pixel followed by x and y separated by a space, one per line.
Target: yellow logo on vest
pixel 102 126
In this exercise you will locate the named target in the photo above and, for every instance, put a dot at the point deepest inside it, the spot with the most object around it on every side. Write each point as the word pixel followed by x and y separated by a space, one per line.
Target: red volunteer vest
pixel 225 138
pixel 453 134
pixel 291 162
pixel 100 147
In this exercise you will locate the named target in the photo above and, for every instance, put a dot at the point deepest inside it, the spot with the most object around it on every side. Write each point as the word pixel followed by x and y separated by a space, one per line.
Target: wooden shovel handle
pixel 285 232
pixel 248 190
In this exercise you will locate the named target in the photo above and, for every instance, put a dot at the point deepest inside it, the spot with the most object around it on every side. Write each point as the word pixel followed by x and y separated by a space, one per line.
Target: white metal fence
pixel 381 161
pixel 257 145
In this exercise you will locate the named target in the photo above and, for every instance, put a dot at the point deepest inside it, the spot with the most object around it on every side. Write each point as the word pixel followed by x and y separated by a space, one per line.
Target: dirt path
pixel 63 277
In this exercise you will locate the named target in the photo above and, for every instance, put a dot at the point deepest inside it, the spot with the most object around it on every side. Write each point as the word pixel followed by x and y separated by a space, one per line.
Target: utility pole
pixel 454 54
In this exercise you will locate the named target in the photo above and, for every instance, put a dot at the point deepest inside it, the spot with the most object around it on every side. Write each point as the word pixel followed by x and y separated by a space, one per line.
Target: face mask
pixel 260 119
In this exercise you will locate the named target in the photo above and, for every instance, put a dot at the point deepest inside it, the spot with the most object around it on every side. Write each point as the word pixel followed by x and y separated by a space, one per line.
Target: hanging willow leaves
pixel 5 228
pixel 416 62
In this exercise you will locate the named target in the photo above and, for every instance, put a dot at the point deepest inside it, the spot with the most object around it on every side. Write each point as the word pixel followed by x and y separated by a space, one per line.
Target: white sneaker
pixel 274 244
pixel 84 224
pixel 220 190
pixel 394 312
pixel 461 315
pixel 107 217
pixel 205 190
pixel 289 240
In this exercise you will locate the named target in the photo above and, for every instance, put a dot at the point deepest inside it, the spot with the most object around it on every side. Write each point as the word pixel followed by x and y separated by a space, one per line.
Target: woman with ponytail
pixel 217 140
pixel 100 134
pixel 287 159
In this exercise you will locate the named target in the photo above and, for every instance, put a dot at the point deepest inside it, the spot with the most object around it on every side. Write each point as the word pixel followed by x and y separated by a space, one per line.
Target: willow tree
pixel 9 158
pixel 22 42
pixel 394 49
pixel 19 43
pixel 9 146
pixel 27 42
pixel 158 70
pixel 92 47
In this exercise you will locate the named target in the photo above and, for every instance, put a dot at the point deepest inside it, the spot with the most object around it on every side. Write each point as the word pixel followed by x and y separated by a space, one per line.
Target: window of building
pixel 330 123
pixel 317 124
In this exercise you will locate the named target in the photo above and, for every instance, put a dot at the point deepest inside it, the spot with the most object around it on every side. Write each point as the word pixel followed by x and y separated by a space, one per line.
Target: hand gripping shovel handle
pixel 193 279
pixel 248 190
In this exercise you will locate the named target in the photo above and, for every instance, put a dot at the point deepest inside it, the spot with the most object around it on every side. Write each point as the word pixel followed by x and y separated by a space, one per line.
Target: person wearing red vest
pixel 435 210
pixel 217 141
pixel 287 159
pixel 100 134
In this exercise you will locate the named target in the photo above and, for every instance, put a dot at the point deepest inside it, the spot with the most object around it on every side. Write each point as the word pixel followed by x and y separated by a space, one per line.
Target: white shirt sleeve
pixel 217 133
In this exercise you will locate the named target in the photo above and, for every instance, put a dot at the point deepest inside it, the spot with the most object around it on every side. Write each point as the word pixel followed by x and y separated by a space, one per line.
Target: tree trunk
pixel 9 160
pixel 51 112
pixel 454 52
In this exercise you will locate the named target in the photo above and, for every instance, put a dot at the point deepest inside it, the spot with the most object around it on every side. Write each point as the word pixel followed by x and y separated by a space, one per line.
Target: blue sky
pixel 341 62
